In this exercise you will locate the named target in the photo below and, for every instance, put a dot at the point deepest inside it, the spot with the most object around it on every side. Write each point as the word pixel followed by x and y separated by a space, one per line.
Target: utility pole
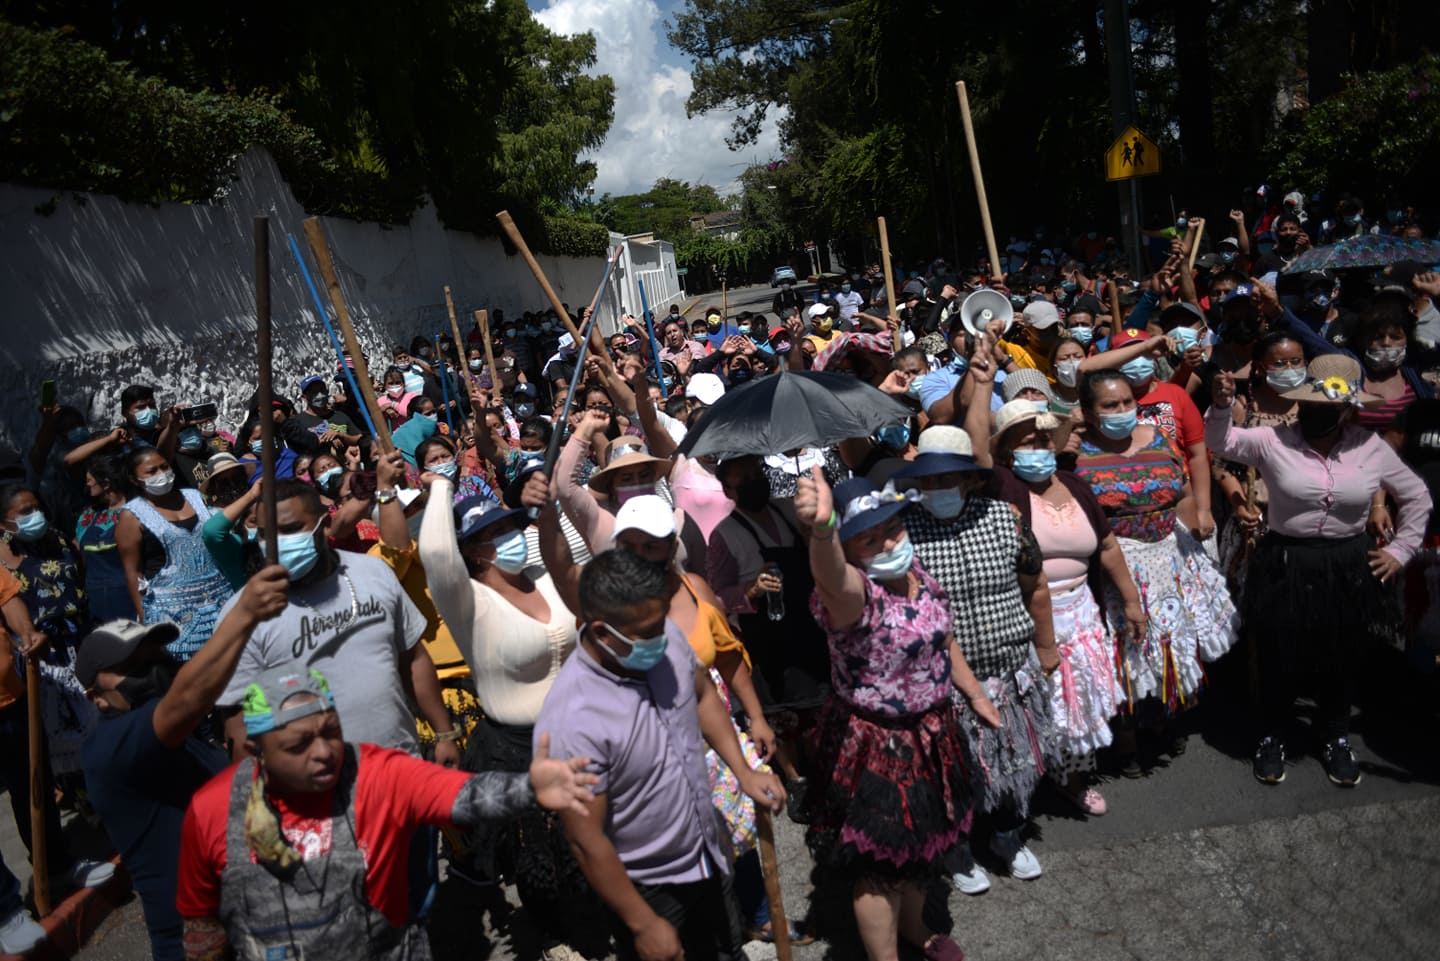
pixel 1123 115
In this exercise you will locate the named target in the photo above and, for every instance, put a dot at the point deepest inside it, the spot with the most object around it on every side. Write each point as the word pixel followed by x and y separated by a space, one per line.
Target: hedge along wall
pixel 97 293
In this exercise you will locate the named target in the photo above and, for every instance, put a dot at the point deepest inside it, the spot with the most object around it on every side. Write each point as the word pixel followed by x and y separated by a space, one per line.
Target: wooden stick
pixel 724 305
pixel 513 232
pixel 1254 653
pixel 266 394
pixel 979 179
pixel 320 247
pixel 482 320
pixel 455 330
pixel 889 283
pixel 39 865
pixel 1195 244
pixel 1115 321
pixel 770 868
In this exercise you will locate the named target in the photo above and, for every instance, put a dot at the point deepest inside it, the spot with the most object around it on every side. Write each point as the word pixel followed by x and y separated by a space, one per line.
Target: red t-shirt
pixel 394 794
pixel 1170 408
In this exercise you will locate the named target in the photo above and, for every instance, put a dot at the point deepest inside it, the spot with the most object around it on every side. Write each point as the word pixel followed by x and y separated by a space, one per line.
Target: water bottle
pixel 775 601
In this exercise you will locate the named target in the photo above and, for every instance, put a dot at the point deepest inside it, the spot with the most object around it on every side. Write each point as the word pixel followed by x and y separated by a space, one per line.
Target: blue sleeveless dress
pixel 189 590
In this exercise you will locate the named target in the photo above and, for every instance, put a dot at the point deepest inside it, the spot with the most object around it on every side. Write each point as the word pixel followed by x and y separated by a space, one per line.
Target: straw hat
pixel 943 449
pixel 1021 413
pixel 217 465
pixel 1333 379
pixel 625 452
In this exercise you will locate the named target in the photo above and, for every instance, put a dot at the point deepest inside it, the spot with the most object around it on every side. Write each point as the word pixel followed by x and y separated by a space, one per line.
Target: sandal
pixel 799 933
pixel 1088 801
pixel 940 947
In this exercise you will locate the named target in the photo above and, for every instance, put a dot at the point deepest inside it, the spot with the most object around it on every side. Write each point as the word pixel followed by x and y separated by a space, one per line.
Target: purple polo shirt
pixel 643 739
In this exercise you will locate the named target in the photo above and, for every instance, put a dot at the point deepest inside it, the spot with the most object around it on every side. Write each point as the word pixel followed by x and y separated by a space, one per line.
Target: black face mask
pixel 149 686
pixel 1320 420
pixel 753 493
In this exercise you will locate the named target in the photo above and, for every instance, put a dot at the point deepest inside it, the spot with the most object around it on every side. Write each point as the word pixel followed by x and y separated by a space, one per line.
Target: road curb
pixel 690 306
pixel 75 919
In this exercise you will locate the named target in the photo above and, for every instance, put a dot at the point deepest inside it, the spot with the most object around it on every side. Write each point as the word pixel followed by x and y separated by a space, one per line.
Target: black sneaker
pixel 795 792
pixel 1269 763
pixel 1340 763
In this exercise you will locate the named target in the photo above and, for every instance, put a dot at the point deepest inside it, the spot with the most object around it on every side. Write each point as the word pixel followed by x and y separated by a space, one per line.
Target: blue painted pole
pixel 444 387
pixel 334 337
pixel 650 329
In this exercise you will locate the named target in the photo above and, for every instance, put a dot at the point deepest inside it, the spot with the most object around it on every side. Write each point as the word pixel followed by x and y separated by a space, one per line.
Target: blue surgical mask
pixel 257 447
pixel 914 389
pixel 893 437
pixel 1043 406
pixel 446 470
pixel 945 504
pixel 190 439
pixel 1069 286
pixel 146 417
pixel 1181 223
pixel 1285 378
pixel 31 526
pixel 1119 426
pixel 477 364
pixel 844 288
pixel 298 553
pixel 432 417
pixel 744 330
pixel 888 565
pixel 77 436
pixel 1139 370
pixel 327 476
pixel 1082 335
pixel 1185 337
pixel 644 654
pixel 1356 218
pixel 525 411
pixel 511 552
pixel 1034 465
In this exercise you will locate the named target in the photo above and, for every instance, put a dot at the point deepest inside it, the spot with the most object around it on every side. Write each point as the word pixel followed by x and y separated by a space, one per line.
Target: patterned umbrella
pixel 1371 250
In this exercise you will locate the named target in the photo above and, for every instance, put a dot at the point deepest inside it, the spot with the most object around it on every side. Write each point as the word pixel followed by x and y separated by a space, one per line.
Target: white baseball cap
pixel 648 513
pixel 1041 314
pixel 817 310
pixel 706 388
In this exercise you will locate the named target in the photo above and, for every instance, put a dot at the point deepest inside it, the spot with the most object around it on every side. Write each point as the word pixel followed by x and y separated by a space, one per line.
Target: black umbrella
pixel 790 410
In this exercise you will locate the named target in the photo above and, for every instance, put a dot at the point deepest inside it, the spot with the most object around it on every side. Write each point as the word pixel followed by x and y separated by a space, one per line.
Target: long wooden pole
pixel 513 232
pixel 770 869
pixel 320 247
pixel 889 283
pixel 1195 244
pixel 979 179
pixel 266 393
pixel 39 865
pixel 482 320
pixel 455 330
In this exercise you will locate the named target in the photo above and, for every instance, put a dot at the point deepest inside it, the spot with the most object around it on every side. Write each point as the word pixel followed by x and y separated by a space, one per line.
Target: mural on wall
pixel 97 294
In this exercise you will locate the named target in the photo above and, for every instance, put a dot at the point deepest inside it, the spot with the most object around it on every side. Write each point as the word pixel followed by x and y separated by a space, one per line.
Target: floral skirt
pixel 1191 617
pixel 1084 691
pixel 1010 761
pixel 890 796
pixel 734 805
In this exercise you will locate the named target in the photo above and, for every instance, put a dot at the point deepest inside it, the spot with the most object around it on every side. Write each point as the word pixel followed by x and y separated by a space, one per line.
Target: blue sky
pixel 651 137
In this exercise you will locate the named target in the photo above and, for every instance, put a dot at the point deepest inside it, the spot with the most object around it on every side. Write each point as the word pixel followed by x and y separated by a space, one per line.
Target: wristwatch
pixel 386 495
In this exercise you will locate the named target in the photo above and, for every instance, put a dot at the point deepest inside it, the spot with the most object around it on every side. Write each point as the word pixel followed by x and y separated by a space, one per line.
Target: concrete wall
pixel 97 294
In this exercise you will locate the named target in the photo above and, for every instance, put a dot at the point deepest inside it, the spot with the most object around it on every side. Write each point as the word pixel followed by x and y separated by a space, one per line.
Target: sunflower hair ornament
pixel 1338 388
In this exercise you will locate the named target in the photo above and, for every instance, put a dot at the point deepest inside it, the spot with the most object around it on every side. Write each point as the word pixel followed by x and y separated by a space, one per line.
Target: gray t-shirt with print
pixel 354 628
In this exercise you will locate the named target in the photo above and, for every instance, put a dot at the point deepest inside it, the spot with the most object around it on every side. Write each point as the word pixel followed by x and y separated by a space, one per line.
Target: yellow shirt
pixel 438 643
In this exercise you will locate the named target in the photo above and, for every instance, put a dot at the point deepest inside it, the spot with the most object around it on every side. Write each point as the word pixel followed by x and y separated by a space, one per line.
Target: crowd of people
pixel 591 677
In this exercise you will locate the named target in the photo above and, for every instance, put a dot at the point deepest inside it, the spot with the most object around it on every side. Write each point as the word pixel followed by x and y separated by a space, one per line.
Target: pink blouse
pixel 1066 541
pixel 1316 496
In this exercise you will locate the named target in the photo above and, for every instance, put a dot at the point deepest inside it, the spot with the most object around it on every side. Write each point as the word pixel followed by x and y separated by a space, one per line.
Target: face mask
pixel 207 429
pixel 713 322
pixel 327 476
pixel 1138 371
pixel 1185 337
pixel 1034 465
pixel 511 552
pixel 447 470
pixel 31 526
pixel 893 563
pixel 1320 420
pixel 319 402
pixel 1355 219
pixel 1041 406
pixel 753 493
pixel 744 330
pixel 159 485
pixel 1082 335
pixel 151 685
pixel 395 390
pixel 509 331
pixel 1227 257
pixel 823 325
pixel 782 346
pixel 476 364
pixel 1181 223
pixel 1069 286
pixel 1067 372
pixel 146 417
pixel 524 411
pixel 252 533
pixel 844 288
pixel 1119 426
pixel 1286 378
pixel 914 389
pixel 644 654
pixel 893 437
pixel 623 492
pixel 739 375
pixel 944 504
pixel 190 439
pixel 257 447
pixel 77 436
pixel 432 417
pixel 298 553
pixel 1385 358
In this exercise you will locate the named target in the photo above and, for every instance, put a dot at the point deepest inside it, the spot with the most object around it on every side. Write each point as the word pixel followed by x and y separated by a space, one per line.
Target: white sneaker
pixel 975 881
pixel 19 934
pixel 1025 866
pixel 562 952
pixel 91 874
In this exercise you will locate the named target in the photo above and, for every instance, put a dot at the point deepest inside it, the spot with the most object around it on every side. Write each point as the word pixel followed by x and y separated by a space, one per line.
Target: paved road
pixel 758 298
pixel 1194 861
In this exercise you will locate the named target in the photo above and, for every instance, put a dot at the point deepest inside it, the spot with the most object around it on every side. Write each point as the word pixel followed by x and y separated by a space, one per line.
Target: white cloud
pixel 651 137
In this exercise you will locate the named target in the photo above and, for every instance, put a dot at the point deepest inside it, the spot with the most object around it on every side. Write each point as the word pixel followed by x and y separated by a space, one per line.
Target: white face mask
pixel 1286 378
pixel 159 484
pixel 1067 372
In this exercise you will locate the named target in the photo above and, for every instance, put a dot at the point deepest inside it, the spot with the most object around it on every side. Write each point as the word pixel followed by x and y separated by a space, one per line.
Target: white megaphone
pixel 983 307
